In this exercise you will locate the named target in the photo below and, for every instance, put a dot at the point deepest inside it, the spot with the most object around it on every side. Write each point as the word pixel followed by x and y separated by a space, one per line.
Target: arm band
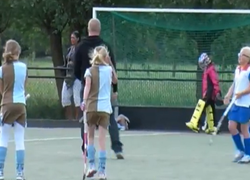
pixel 115 87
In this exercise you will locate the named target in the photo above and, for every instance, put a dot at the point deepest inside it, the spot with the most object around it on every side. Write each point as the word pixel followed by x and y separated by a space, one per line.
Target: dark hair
pixel 77 35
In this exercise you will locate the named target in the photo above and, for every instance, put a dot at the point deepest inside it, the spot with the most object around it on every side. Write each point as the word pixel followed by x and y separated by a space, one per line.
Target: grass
pixel 45 101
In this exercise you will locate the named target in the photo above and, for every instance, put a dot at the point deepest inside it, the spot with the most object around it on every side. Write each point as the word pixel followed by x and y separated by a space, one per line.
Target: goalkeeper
pixel 211 95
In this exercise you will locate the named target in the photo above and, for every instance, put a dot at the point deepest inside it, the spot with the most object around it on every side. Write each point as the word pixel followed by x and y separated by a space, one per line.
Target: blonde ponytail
pixel 8 57
pixel 98 56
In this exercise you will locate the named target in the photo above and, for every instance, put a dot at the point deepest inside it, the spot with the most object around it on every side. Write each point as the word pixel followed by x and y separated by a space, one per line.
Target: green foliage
pixel 48 15
pixel 6 14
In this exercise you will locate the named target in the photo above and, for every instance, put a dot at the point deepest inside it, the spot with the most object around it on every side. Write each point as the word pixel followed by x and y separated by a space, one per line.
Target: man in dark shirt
pixel 82 62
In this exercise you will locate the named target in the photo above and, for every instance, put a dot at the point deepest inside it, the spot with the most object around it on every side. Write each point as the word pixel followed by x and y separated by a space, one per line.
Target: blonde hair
pixel 98 56
pixel 12 50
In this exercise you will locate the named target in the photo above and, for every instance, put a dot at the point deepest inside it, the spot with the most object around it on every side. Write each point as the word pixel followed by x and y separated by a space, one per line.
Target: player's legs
pixel 244 121
pixel 91 121
pixel 240 115
pixel 214 113
pixel 77 99
pixel 210 117
pixel 193 123
pixel 66 95
pixel 232 126
pixel 19 131
pixel 103 125
pixel 10 113
pixel 116 144
pixel 4 138
pixel 19 113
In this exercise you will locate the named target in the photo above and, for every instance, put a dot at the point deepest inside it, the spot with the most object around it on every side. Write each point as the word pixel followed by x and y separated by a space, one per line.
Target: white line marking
pixel 78 138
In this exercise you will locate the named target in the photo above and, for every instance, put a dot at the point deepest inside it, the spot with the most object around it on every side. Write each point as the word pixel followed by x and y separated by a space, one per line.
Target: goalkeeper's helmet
pixel 204 60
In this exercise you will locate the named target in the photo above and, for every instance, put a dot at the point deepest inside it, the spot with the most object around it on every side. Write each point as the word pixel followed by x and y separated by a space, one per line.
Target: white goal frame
pixel 168 10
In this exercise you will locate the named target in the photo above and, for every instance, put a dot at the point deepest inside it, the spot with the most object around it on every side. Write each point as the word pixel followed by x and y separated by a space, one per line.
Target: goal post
pixel 171 39
pixel 168 10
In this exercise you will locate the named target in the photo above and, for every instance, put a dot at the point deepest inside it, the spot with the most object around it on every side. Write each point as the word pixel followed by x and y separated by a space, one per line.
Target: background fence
pixel 139 85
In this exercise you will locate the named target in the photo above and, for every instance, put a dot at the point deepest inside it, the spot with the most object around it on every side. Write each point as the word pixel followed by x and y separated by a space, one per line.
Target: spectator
pixel 71 85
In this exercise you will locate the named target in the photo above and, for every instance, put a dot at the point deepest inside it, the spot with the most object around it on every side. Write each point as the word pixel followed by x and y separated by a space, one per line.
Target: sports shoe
pixel 211 131
pixel 102 176
pixel 1 175
pixel 238 156
pixel 244 160
pixel 119 155
pixel 20 176
pixel 91 171
pixel 191 126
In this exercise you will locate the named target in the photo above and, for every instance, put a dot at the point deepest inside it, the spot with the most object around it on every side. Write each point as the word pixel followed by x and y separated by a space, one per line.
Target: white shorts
pixel 74 91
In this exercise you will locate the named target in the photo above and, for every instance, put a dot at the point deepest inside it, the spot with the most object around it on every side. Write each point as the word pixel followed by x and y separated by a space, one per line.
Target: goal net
pixel 158 40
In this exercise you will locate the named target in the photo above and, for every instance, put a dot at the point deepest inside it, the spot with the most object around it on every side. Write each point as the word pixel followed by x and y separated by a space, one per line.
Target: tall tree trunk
pixel 57 58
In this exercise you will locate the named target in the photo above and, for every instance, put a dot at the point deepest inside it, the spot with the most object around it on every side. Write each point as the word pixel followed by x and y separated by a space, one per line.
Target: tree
pixel 5 18
pixel 5 14
pixel 50 16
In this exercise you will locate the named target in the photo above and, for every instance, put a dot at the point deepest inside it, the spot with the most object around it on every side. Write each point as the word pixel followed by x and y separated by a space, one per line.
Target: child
pixel 13 77
pixel 97 105
pixel 210 95
pixel 240 111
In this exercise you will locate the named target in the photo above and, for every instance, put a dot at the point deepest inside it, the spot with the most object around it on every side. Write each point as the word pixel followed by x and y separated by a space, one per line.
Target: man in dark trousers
pixel 82 62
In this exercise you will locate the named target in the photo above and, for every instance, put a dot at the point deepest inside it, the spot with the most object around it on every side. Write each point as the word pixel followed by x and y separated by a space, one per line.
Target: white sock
pixel 4 135
pixel 20 149
pixel 19 132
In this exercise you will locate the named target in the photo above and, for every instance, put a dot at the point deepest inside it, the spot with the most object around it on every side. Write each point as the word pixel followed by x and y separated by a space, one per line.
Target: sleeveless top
pixel 100 91
pixel 13 76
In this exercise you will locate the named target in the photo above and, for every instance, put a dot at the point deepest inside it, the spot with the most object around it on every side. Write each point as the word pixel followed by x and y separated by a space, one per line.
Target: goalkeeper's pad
pixel 193 123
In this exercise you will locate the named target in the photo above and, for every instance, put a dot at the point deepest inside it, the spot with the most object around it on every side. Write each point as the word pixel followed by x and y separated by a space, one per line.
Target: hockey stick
pixel 85 136
pixel 222 119
pixel 204 127
pixel 224 115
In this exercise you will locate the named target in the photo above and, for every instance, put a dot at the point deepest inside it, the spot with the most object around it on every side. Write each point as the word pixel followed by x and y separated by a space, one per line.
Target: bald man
pixel 82 62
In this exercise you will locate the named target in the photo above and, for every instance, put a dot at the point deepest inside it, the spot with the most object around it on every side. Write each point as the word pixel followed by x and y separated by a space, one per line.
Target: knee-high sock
pixel 91 154
pixel 4 138
pixel 238 142
pixel 20 149
pixel 247 146
pixel 102 161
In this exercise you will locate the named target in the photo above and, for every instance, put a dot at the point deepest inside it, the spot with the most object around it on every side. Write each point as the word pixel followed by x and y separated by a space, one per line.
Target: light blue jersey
pixel 13 76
